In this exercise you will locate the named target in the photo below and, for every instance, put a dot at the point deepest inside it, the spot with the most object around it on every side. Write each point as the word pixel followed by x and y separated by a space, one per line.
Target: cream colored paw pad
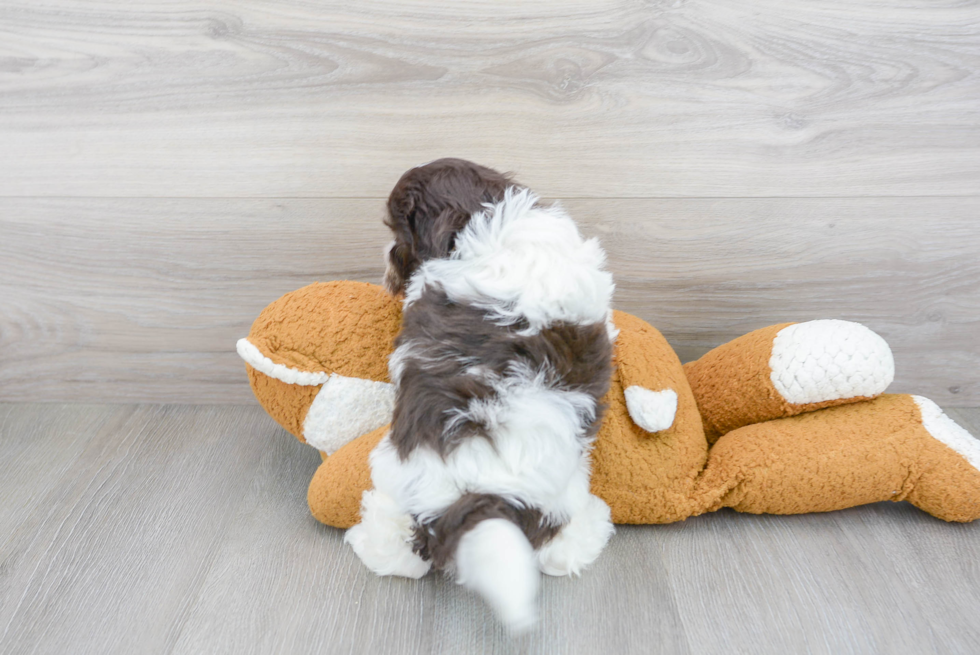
pixel 826 360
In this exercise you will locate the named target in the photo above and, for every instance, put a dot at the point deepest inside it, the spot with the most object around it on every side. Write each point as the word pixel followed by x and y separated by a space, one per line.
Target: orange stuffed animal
pixel 784 420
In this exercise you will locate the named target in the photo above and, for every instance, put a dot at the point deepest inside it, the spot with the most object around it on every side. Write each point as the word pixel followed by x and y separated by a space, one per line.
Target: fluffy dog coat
pixel 504 355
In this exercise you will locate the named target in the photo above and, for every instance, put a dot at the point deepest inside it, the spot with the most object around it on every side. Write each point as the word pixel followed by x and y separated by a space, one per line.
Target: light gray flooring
pixel 184 529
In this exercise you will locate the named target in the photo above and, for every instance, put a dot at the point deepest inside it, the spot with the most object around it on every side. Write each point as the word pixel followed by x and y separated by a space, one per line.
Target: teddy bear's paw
pixel 580 541
pixel 828 360
pixel 383 538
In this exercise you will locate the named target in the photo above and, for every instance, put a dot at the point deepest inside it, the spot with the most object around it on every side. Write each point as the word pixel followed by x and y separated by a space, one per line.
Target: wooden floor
pixel 184 529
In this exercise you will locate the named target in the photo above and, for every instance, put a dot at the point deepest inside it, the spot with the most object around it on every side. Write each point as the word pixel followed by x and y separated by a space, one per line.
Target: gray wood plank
pixel 143 299
pixel 612 99
pixel 313 595
pixel 797 584
pixel 185 529
pixel 115 552
pixel 29 473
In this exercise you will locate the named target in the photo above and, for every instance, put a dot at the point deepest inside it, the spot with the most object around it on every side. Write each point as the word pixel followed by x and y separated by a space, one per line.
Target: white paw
pixel 383 538
pixel 826 360
pixel 651 410
pixel 580 541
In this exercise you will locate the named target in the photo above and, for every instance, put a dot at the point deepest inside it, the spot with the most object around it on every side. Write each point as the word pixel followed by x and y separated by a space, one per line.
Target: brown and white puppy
pixel 504 355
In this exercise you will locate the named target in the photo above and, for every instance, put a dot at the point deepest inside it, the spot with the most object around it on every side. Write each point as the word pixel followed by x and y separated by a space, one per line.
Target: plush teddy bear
pixel 784 420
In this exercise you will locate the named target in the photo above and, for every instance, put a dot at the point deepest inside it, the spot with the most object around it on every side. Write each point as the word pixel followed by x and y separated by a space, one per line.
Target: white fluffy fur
pixel 651 410
pixel 495 560
pixel 346 408
pixel 515 260
pixel 580 540
pixel 533 460
pixel 383 538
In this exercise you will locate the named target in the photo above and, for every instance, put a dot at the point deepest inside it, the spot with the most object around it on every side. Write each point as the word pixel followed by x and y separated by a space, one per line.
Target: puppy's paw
pixel 580 541
pixel 383 538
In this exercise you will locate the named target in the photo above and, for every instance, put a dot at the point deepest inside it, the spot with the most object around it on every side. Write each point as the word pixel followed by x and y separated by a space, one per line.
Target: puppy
pixel 504 355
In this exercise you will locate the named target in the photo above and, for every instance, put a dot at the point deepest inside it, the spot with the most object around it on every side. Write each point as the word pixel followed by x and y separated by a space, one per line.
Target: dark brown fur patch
pixel 447 338
pixel 437 540
pixel 428 207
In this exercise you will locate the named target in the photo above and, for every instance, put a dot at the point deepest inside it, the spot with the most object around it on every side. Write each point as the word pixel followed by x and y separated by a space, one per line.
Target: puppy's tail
pixel 493 556
pixel 496 560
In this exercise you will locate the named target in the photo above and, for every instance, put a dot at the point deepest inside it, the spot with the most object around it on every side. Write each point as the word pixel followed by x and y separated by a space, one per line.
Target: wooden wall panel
pixel 583 99
pixel 143 299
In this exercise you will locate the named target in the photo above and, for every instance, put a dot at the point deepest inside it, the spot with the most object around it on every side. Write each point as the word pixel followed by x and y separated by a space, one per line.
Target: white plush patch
pixel 946 430
pixel 254 358
pixel 495 560
pixel 580 541
pixel 651 410
pixel 383 538
pixel 826 360
pixel 519 262
pixel 344 409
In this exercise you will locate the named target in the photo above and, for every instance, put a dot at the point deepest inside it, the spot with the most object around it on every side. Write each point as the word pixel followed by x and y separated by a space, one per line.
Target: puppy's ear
pixel 401 263
pixel 402 256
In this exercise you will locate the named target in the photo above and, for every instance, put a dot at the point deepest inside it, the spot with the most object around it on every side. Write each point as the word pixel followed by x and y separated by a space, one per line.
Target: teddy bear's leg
pixel 895 447
pixel 948 486
pixel 788 369
pixel 383 539
pixel 339 483
pixel 581 540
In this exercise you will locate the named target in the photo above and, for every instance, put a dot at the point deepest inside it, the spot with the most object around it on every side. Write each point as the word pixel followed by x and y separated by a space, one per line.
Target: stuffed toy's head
pixel 317 360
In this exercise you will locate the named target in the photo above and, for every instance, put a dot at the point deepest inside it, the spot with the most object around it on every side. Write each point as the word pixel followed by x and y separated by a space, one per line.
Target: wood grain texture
pixel 143 300
pixel 583 99
pixel 114 552
pixel 184 529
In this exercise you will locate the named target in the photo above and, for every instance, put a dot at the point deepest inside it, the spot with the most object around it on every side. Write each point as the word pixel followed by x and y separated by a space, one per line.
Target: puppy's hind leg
pixel 580 541
pixel 383 538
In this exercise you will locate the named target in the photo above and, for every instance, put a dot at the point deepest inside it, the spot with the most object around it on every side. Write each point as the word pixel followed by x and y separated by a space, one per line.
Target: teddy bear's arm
pixel 788 369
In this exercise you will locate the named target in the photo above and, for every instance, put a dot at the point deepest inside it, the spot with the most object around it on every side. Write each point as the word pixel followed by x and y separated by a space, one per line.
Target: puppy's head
pixel 429 205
